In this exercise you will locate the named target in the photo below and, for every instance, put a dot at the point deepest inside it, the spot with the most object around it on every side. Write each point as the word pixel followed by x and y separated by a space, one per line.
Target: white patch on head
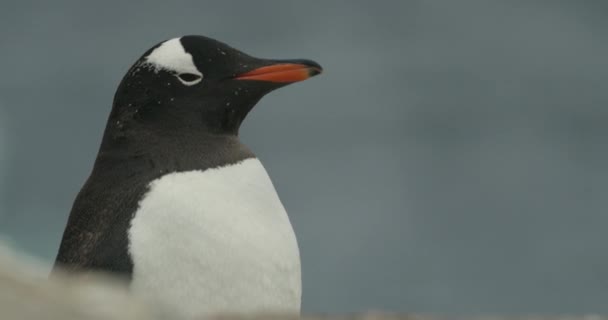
pixel 172 56
pixel 215 241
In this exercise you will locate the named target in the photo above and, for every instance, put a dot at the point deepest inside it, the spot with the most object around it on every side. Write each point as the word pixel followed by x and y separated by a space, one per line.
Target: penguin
pixel 176 203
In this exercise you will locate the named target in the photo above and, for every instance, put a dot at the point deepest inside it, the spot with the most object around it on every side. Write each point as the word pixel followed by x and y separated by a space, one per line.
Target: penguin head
pixel 198 83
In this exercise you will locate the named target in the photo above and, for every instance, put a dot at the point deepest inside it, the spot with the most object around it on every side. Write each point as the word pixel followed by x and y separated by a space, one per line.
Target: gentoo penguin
pixel 175 202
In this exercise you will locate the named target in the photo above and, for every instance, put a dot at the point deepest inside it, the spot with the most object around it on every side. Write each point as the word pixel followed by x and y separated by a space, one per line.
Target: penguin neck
pixel 164 152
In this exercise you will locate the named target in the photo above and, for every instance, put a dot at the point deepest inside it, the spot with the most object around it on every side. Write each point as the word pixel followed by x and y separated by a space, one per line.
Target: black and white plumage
pixel 175 202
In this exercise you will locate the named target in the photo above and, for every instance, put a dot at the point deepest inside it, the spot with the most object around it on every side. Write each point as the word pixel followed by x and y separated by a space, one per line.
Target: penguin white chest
pixel 217 240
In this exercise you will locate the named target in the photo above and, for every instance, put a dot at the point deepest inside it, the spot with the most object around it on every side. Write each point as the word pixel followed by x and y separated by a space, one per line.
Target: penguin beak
pixel 283 71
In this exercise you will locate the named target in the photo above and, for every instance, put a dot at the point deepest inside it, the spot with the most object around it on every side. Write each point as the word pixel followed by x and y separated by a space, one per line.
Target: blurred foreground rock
pixel 26 292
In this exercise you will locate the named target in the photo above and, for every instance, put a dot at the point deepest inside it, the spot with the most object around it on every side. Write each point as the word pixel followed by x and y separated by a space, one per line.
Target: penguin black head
pixel 199 84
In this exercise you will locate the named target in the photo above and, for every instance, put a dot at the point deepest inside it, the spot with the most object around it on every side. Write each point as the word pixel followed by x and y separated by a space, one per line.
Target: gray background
pixel 452 158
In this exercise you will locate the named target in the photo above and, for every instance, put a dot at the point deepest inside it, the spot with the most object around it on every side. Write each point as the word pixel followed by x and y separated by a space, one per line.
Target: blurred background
pixel 452 158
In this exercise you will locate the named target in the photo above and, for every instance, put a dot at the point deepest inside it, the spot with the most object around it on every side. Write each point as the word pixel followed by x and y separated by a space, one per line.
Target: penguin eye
pixel 189 78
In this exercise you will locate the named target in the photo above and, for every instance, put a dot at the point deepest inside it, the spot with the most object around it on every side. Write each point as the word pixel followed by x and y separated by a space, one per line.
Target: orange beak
pixel 283 72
